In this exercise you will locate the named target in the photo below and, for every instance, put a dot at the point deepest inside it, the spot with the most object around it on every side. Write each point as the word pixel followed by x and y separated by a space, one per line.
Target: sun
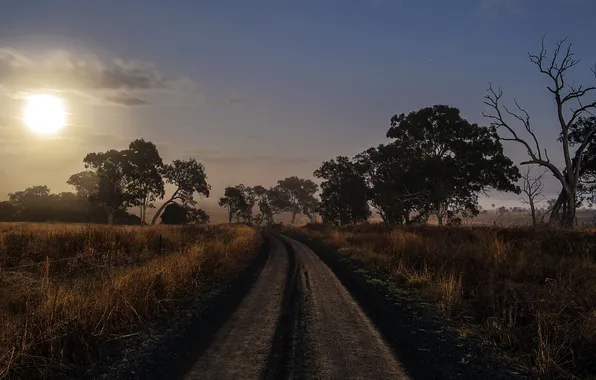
pixel 44 114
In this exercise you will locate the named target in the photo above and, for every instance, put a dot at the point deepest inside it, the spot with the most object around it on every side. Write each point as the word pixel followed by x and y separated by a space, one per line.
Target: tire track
pixel 241 346
pixel 286 349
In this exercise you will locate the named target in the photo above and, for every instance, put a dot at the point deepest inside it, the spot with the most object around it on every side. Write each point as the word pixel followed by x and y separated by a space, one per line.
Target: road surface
pixel 297 322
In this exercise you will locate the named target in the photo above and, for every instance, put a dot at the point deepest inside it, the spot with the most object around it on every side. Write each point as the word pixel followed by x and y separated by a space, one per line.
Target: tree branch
pixel 492 100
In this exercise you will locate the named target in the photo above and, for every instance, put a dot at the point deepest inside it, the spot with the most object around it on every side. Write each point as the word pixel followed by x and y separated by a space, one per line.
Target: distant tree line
pixel 293 195
pixel 114 182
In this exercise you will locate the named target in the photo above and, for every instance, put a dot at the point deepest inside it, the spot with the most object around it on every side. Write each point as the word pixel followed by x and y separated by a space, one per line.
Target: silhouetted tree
pixel 565 94
pixel 344 197
pixel 143 170
pixel 32 204
pixel 301 193
pixel 197 215
pixel 111 168
pixel 189 177
pixel 270 202
pixel 7 212
pixel 533 192
pixel 85 183
pixel 38 204
pixel 396 186
pixel 174 214
pixel 239 200
pixel 455 160
pixel 587 174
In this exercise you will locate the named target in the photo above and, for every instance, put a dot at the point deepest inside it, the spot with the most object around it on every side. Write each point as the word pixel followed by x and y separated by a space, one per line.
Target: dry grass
pixel 532 292
pixel 66 290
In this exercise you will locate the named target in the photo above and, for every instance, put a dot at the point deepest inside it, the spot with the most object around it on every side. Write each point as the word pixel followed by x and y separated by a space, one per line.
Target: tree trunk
pixel 111 217
pixel 440 219
pixel 159 210
pixel 230 216
pixel 533 211
pixel 569 216
pixel 142 211
pixel 555 212
pixel 294 217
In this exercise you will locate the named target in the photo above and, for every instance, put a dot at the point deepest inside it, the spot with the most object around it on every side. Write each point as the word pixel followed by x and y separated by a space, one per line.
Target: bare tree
pixel 533 192
pixel 555 68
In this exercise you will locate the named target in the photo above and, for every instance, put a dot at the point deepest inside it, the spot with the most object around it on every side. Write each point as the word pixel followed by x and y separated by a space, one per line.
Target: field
pixel 532 293
pixel 67 291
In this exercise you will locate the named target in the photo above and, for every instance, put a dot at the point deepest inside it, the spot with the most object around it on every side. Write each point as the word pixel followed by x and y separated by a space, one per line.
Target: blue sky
pixel 260 90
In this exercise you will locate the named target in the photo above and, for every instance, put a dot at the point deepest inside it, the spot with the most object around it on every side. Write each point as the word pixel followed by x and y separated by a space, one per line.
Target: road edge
pixel 168 349
pixel 426 349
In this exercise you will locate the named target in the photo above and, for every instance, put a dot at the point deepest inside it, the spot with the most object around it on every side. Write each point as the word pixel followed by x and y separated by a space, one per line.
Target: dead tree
pixel 533 192
pixel 555 68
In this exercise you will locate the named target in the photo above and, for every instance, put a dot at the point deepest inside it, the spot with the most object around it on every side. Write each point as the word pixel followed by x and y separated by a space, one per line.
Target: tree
pixel 270 202
pixel 143 170
pixel 344 197
pixel 32 204
pixel 458 160
pixel 177 214
pixel 189 177
pixel 396 188
pixel 196 215
pixel 174 214
pixel 85 183
pixel 38 204
pixel 565 94
pixel 239 200
pixel 587 174
pixel 8 212
pixel 110 168
pixel 301 195
pixel 533 191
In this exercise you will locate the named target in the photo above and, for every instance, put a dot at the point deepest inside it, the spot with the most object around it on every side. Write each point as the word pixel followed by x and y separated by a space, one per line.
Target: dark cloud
pixel 118 82
pixel 62 69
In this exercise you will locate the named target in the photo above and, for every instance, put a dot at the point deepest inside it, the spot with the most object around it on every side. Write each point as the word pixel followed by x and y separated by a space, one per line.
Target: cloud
pixel 125 100
pixel 118 81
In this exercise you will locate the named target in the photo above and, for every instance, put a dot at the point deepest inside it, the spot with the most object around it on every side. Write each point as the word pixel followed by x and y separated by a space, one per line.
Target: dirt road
pixel 297 322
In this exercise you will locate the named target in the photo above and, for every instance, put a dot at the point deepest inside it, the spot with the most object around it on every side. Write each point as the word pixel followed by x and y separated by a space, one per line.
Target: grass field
pixel 533 293
pixel 68 290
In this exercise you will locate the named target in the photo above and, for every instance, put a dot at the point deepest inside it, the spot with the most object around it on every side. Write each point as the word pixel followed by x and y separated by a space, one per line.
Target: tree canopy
pixel 189 178
pixel 143 170
pixel 239 200
pixel 301 195
pixel 455 160
pixel 344 197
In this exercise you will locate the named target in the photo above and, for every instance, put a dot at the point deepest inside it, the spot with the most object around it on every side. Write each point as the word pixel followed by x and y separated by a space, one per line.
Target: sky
pixel 261 90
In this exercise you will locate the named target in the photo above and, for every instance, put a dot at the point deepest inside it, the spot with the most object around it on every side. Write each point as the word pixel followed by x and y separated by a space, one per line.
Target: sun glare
pixel 44 114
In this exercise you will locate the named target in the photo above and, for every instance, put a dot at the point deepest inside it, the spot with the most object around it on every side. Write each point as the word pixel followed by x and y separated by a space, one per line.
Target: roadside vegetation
pixel 531 293
pixel 69 291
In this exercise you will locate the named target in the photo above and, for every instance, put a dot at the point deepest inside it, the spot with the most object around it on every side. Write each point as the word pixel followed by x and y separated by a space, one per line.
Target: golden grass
pixel 532 292
pixel 58 313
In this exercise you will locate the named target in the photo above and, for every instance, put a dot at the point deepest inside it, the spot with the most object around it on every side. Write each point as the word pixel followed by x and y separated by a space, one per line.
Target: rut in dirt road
pixel 297 322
